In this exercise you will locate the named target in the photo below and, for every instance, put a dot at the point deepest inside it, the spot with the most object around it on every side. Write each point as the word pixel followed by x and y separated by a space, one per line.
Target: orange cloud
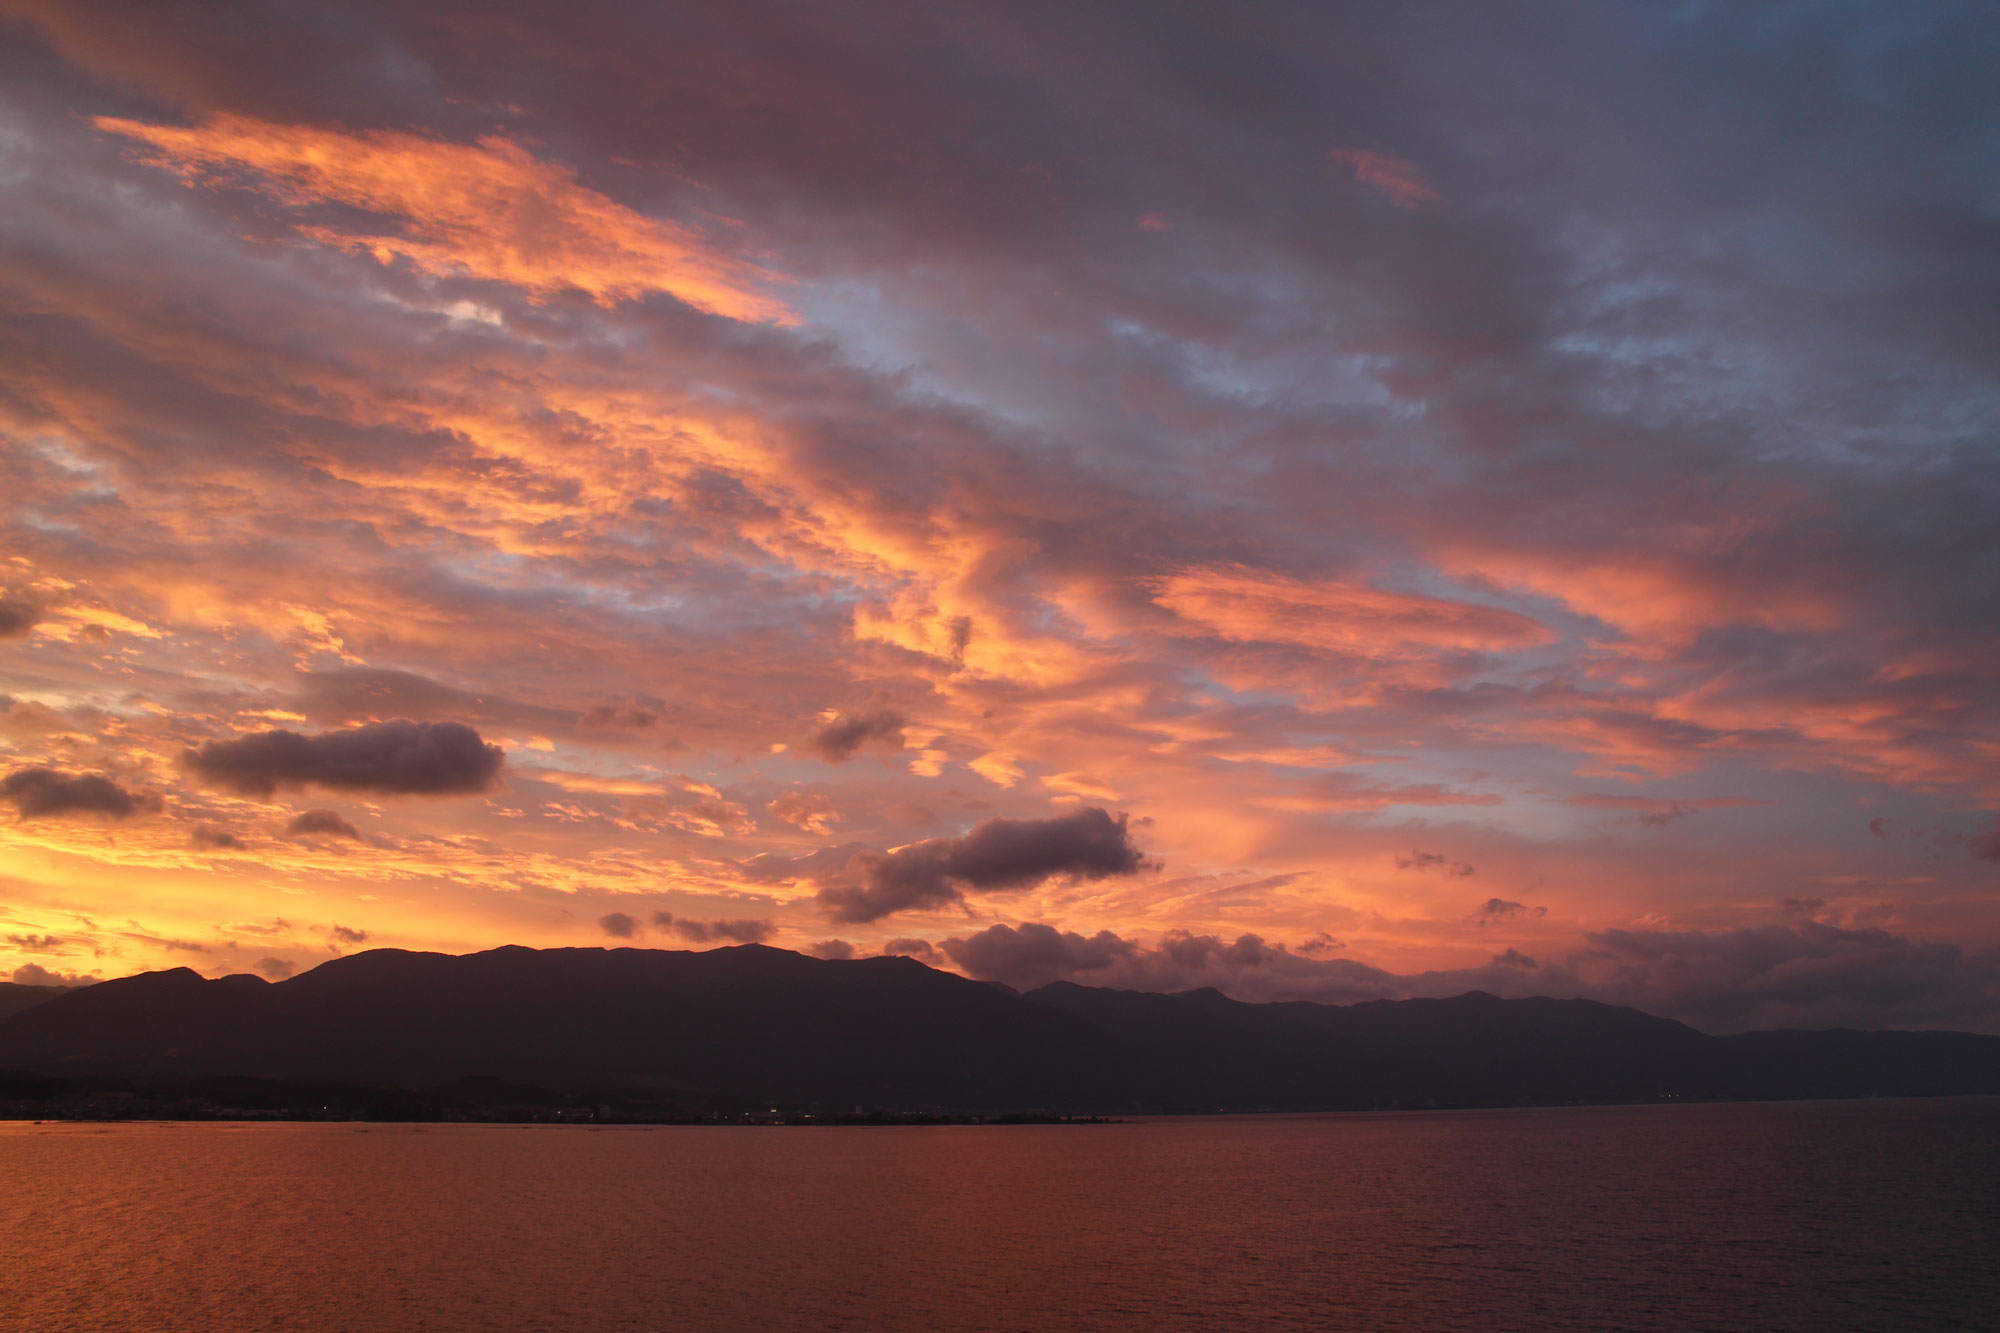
pixel 489 210
pixel 1339 616
pixel 1660 600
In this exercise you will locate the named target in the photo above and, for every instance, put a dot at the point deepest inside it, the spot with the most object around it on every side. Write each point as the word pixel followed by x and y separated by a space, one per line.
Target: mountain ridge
pixel 753 1025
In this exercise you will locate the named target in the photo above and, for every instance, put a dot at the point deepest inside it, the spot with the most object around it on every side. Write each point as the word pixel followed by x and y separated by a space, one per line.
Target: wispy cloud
pixel 489 210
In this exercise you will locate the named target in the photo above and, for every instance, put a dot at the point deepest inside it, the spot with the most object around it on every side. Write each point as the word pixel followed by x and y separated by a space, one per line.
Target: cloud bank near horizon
pixel 1802 974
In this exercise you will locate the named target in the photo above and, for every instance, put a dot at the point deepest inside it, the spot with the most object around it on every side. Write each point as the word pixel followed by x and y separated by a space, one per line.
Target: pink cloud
pixel 1400 182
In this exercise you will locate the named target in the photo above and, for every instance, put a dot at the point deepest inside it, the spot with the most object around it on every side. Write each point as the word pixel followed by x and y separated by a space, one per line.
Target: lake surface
pixel 1809 1216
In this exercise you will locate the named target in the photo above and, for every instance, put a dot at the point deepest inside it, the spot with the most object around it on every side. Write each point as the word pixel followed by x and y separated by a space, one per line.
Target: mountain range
pixel 753 1026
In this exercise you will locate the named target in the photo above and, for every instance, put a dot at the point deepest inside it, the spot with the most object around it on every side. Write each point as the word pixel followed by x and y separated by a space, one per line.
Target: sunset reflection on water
pixel 1719 1217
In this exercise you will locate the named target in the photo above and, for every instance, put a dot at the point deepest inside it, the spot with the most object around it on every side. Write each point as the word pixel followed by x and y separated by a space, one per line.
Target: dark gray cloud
pixel 996 855
pixel 738 931
pixel 37 943
pixel 17 617
pixel 207 839
pixel 346 935
pixel 1033 954
pixel 618 925
pixel 838 950
pixel 838 740
pixel 321 824
pixel 39 793
pixel 906 947
pixel 396 758
pixel 273 969
pixel 1448 866
pixel 1500 909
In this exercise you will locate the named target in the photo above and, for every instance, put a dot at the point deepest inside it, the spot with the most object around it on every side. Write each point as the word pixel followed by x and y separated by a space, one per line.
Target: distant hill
pixel 1474 1050
pixel 14 997
pixel 755 1026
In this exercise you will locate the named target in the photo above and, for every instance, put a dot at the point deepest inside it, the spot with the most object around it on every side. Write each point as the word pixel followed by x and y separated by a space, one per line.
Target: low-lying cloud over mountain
pixel 1800 974
pixel 742 930
pixel 689 930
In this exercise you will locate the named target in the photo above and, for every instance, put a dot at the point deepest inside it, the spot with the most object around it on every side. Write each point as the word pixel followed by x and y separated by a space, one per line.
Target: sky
pixel 1325 502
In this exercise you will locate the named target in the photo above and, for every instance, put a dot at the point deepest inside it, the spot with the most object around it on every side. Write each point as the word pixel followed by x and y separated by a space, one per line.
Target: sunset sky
pixel 1374 499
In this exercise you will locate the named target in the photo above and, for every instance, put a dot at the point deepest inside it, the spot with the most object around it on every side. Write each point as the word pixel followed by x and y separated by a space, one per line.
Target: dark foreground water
pixel 1813 1216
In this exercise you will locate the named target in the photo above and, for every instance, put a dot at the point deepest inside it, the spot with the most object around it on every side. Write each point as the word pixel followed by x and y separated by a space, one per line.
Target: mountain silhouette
pixel 739 1025
pixel 753 1026
pixel 16 996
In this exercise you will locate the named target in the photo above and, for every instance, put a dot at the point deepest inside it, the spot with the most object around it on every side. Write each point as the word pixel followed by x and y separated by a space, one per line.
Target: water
pixel 1809 1216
